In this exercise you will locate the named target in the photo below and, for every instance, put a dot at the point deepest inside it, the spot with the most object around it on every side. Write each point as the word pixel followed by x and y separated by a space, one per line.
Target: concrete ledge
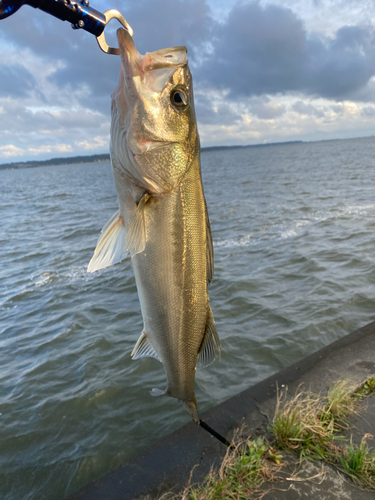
pixel 168 463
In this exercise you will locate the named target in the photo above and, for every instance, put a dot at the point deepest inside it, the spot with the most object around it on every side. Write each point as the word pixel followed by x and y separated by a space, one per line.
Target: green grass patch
pixel 303 425
pixel 310 426
pixel 359 463
pixel 242 472
pixel 367 388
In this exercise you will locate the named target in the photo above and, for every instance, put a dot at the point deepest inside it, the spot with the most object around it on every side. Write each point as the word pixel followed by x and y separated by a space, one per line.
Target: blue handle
pixel 77 12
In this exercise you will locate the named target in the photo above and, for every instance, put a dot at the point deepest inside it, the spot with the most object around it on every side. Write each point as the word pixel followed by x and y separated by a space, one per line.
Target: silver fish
pixel 163 220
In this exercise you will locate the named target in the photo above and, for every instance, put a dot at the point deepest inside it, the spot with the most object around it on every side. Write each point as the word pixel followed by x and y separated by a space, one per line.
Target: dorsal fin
pixel 210 343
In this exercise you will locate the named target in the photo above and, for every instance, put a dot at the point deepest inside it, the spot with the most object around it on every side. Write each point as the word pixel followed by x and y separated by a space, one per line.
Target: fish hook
pixel 109 15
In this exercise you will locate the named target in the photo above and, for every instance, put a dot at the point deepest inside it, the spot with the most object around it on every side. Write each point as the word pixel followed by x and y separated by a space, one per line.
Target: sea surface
pixel 294 237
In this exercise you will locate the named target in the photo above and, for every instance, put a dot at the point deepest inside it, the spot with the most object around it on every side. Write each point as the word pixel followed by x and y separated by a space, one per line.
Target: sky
pixel 263 70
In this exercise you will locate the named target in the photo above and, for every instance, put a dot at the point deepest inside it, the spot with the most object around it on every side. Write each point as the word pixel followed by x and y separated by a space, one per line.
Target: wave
pixel 296 228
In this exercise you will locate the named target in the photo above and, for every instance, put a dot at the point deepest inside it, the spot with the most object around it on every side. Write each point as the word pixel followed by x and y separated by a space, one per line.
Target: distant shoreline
pixel 105 157
pixel 54 161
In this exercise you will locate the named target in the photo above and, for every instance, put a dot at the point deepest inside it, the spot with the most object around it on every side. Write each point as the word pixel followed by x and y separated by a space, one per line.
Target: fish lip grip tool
pixel 112 14
pixel 77 12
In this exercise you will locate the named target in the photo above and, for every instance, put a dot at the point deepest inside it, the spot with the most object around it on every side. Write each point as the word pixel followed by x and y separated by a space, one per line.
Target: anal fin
pixel 110 248
pixel 210 343
pixel 143 348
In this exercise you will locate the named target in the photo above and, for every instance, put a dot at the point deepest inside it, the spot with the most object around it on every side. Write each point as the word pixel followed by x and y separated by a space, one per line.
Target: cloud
pixel 56 148
pixel 341 66
pixel 95 143
pixel 257 51
pixel 267 51
pixel 166 23
pixel 262 70
pixel 43 131
pixel 369 111
pixel 266 109
pixel 15 81
pixel 211 107
pixel 304 108
pixel 10 150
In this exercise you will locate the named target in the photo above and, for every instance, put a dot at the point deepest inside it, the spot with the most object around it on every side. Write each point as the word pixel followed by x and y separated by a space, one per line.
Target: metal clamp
pixel 109 15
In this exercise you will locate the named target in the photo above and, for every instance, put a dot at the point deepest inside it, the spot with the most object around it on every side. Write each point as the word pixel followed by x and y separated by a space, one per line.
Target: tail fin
pixel 192 408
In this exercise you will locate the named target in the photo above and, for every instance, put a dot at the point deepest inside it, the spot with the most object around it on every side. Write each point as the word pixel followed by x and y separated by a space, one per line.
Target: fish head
pixel 154 133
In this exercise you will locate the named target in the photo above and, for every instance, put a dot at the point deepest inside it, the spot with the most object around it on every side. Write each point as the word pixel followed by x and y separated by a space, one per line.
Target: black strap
pixel 218 436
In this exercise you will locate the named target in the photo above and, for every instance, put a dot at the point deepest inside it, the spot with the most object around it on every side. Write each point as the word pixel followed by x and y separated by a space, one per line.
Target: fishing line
pixel 218 436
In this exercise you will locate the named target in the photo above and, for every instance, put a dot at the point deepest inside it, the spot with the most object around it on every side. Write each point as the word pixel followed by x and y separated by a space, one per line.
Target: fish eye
pixel 179 99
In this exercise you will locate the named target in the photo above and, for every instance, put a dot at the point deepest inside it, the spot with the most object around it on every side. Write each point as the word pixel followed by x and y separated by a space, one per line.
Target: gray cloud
pixel 254 52
pixel 156 23
pixel 257 51
pixel 266 50
pixel 15 81
pixel 369 111
pixel 44 35
pixel 266 110
pixel 82 64
pixel 210 111
pixel 304 108
pixel 341 66
pixel 164 23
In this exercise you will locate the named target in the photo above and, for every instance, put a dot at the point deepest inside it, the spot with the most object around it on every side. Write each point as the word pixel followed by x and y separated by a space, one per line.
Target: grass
pixel 342 401
pixel 308 425
pixel 242 471
pixel 367 388
pixel 359 463
pixel 303 426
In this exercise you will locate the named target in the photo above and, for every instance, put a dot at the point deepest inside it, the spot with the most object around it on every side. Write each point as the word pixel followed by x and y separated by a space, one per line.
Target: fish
pixel 162 219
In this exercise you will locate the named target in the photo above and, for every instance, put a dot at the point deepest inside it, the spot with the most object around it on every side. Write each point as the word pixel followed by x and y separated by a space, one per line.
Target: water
pixel 294 236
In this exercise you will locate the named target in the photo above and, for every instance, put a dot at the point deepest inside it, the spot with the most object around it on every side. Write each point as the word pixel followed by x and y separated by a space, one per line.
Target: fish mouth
pixel 137 64
pixel 130 57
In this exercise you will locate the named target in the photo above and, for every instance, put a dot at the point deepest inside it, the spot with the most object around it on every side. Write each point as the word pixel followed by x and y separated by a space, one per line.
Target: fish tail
pixel 192 407
pixel 190 404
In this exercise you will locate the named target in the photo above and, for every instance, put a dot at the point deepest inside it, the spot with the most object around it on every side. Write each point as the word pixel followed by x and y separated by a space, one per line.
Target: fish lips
pixel 153 69
pixel 128 51
pixel 131 60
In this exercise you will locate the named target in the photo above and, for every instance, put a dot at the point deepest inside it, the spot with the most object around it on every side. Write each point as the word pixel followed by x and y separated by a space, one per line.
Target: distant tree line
pixel 103 157
pixel 55 161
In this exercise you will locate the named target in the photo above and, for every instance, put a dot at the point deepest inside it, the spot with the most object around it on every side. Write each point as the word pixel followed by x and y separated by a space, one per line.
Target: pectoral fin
pixel 135 241
pixel 110 247
pixel 210 343
pixel 143 348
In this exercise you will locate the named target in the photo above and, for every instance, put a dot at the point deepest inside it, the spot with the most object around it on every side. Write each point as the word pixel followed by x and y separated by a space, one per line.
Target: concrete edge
pixel 167 464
